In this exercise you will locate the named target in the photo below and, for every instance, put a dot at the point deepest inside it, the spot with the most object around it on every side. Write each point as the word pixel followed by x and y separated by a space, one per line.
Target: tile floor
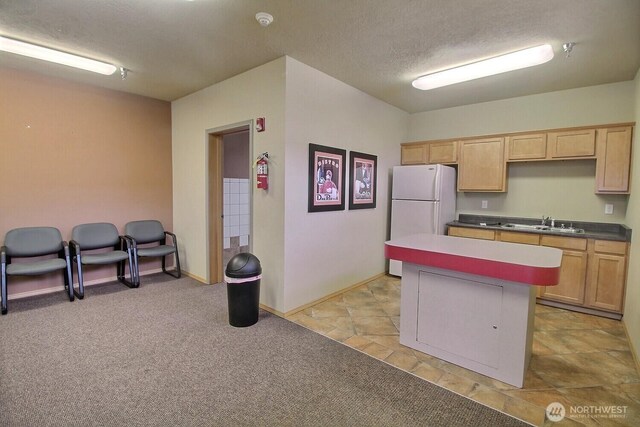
pixel 581 361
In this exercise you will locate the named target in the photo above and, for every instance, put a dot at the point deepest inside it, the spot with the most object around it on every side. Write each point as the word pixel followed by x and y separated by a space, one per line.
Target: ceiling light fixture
pixel 51 55
pixel 496 65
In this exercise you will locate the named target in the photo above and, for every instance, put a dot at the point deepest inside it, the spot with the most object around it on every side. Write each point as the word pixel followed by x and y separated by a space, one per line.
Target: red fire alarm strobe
pixel 260 124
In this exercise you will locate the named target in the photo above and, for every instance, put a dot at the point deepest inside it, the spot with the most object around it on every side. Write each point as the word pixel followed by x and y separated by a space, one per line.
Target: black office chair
pixel 31 242
pixel 151 231
pixel 101 235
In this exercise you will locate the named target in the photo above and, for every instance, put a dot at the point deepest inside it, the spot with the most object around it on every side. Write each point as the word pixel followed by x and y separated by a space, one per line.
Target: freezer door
pixel 411 217
pixel 420 182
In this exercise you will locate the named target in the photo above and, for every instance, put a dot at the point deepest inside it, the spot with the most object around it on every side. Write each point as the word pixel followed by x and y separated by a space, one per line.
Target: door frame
pixel 214 159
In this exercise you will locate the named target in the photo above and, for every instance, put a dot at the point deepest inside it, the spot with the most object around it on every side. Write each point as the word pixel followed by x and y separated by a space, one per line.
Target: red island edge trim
pixel 530 275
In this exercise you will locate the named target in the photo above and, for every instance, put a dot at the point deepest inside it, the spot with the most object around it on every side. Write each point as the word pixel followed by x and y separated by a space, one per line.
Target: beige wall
pixel 72 153
pixel 329 251
pixel 304 256
pixel 255 93
pixel 632 299
pixel 561 189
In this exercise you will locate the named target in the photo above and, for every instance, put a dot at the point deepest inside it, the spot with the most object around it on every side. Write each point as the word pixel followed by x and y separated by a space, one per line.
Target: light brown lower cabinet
pixel 607 275
pixel 573 270
pixel 573 274
pixel 592 274
pixel 472 233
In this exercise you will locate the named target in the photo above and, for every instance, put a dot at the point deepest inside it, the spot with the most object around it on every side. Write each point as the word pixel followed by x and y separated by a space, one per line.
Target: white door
pixel 411 217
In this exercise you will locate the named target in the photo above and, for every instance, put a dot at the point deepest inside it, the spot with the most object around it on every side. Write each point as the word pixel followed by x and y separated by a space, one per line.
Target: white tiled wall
pixel 236 211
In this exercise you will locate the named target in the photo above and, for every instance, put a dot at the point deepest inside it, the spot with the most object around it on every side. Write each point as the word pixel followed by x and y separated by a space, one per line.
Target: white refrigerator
pixel 423 200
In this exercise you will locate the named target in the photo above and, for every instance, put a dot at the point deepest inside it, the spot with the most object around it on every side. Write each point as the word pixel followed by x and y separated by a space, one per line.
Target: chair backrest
pixel 145 231
pixel 95 235
pixel 33 241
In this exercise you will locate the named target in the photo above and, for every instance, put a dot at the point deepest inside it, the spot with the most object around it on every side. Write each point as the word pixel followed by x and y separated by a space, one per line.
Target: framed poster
pixel 326 178
pixel 363 177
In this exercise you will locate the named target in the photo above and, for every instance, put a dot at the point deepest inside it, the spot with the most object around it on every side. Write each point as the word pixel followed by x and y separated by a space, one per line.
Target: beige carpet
pixel 164 354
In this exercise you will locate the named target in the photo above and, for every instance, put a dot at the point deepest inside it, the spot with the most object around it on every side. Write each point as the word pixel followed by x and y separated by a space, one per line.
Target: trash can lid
pixel 243 265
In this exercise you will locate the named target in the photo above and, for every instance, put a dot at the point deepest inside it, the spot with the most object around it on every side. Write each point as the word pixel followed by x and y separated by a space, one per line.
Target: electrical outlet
pixel 485 204
pixel 608 209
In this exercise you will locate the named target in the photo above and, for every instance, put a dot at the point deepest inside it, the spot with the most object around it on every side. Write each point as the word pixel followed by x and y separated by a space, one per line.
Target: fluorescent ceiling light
pixel 499 64
pixel 39 52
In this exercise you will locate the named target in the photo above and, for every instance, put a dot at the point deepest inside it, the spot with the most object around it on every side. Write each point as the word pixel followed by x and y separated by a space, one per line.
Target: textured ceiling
pixel 176 47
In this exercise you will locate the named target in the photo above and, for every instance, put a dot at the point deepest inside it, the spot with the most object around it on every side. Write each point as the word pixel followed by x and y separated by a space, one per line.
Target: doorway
pixel 229 196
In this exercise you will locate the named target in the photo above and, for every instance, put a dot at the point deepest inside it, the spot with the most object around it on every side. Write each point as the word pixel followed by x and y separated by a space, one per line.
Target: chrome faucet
pixel 548 218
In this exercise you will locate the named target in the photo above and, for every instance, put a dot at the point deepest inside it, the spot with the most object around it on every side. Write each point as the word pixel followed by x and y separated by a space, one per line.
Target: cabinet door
pixel 575 143
pixel 527 147
pixel 606 282
pixel 473 233
pixel 614 160
pixel 524 238
pixel 570 287
pixel 414 154
pixel 443 152
pixel 482 166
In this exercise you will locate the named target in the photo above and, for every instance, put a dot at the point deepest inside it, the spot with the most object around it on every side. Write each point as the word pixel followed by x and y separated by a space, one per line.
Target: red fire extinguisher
pixel 262 171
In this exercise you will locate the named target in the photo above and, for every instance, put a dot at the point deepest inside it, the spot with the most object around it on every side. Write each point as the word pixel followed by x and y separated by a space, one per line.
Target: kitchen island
pixel 471 302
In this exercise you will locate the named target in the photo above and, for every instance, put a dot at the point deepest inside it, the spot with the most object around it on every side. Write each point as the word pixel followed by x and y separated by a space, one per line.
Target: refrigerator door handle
pixel 436 184
pixel 435 218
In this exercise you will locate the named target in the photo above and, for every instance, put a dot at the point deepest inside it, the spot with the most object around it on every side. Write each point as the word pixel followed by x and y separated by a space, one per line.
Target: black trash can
pixel 243 276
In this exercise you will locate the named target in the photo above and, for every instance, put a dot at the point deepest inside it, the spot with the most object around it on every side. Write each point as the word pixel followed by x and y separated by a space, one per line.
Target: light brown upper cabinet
pixel 527 147
pixel 422 153
pixel 482 161
pixel 443 152
pixel 482 166
pixel 572 143
pixel 413 154
pixel 614 160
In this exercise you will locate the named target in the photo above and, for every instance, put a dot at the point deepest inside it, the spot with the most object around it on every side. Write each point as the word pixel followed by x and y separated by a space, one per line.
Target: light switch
pixel 485 204
pixel 608 209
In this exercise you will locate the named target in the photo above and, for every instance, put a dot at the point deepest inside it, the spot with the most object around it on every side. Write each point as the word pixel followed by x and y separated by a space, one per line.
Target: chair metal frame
pixel 6 255
pixel 123 244
pixel 177 272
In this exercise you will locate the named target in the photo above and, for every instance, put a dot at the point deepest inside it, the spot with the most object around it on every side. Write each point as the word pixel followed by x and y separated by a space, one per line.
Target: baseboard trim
pixel 318 301
pixel 272 311
pixel 585 310
pixel 51 290
pixel 198 278
pixel 633 350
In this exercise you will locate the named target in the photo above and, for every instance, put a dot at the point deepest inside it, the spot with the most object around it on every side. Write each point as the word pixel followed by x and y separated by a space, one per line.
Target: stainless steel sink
pixel 569 230
pixel 525 227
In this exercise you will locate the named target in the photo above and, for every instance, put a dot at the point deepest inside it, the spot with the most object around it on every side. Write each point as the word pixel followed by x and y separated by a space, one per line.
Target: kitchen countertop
pixel 592 230
pixel 531 265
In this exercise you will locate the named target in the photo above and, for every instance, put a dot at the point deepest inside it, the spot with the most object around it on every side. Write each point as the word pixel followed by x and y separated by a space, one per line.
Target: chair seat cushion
pixel 154 251
pixel 35 267
pixel 104 258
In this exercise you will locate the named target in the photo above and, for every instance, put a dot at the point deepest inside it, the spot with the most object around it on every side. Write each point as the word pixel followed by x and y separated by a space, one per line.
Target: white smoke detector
pixel 264 18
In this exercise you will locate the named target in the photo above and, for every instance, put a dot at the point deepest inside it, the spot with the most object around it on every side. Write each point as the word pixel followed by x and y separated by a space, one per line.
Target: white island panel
pixel 482 322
